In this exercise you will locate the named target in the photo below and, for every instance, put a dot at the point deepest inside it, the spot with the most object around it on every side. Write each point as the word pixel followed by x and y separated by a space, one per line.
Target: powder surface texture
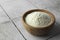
pixel 38 19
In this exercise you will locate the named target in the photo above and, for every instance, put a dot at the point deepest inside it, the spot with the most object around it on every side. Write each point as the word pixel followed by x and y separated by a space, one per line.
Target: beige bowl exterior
pixel 38 31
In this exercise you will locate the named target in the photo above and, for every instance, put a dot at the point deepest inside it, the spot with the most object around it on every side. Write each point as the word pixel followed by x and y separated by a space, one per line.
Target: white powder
pixel 38 19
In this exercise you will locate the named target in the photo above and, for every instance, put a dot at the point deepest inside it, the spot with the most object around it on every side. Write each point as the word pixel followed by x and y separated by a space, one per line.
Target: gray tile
pixel 9 32
pixel 56 30
pixel 46 3
pixel 50 5
pixel 16 8
pixel 55 38
pixel 26 34
pixel 3 17
pixel 7 29
pixel 53 32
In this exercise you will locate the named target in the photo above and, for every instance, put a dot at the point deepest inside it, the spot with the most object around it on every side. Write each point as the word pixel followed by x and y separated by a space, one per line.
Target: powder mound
pixel 38 19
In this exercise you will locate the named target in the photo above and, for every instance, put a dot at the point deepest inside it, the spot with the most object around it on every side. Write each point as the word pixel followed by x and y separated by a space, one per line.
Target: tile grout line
pixel 12 19
pixel 12 22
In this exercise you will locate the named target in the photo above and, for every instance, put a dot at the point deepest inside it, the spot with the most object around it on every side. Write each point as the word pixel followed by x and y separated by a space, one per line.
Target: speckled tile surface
pixel 11 27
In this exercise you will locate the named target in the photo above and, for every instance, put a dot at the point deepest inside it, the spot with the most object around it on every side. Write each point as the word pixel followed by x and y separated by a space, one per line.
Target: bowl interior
pixel 40 10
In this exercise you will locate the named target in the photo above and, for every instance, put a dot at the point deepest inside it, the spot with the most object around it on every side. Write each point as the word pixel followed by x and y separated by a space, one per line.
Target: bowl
pixel 36 30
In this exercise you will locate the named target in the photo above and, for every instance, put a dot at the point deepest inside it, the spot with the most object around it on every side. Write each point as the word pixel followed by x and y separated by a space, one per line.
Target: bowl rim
pixel 42 10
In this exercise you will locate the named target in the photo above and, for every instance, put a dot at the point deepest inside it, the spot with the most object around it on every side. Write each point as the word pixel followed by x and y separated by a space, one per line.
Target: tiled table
pixel 11 27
